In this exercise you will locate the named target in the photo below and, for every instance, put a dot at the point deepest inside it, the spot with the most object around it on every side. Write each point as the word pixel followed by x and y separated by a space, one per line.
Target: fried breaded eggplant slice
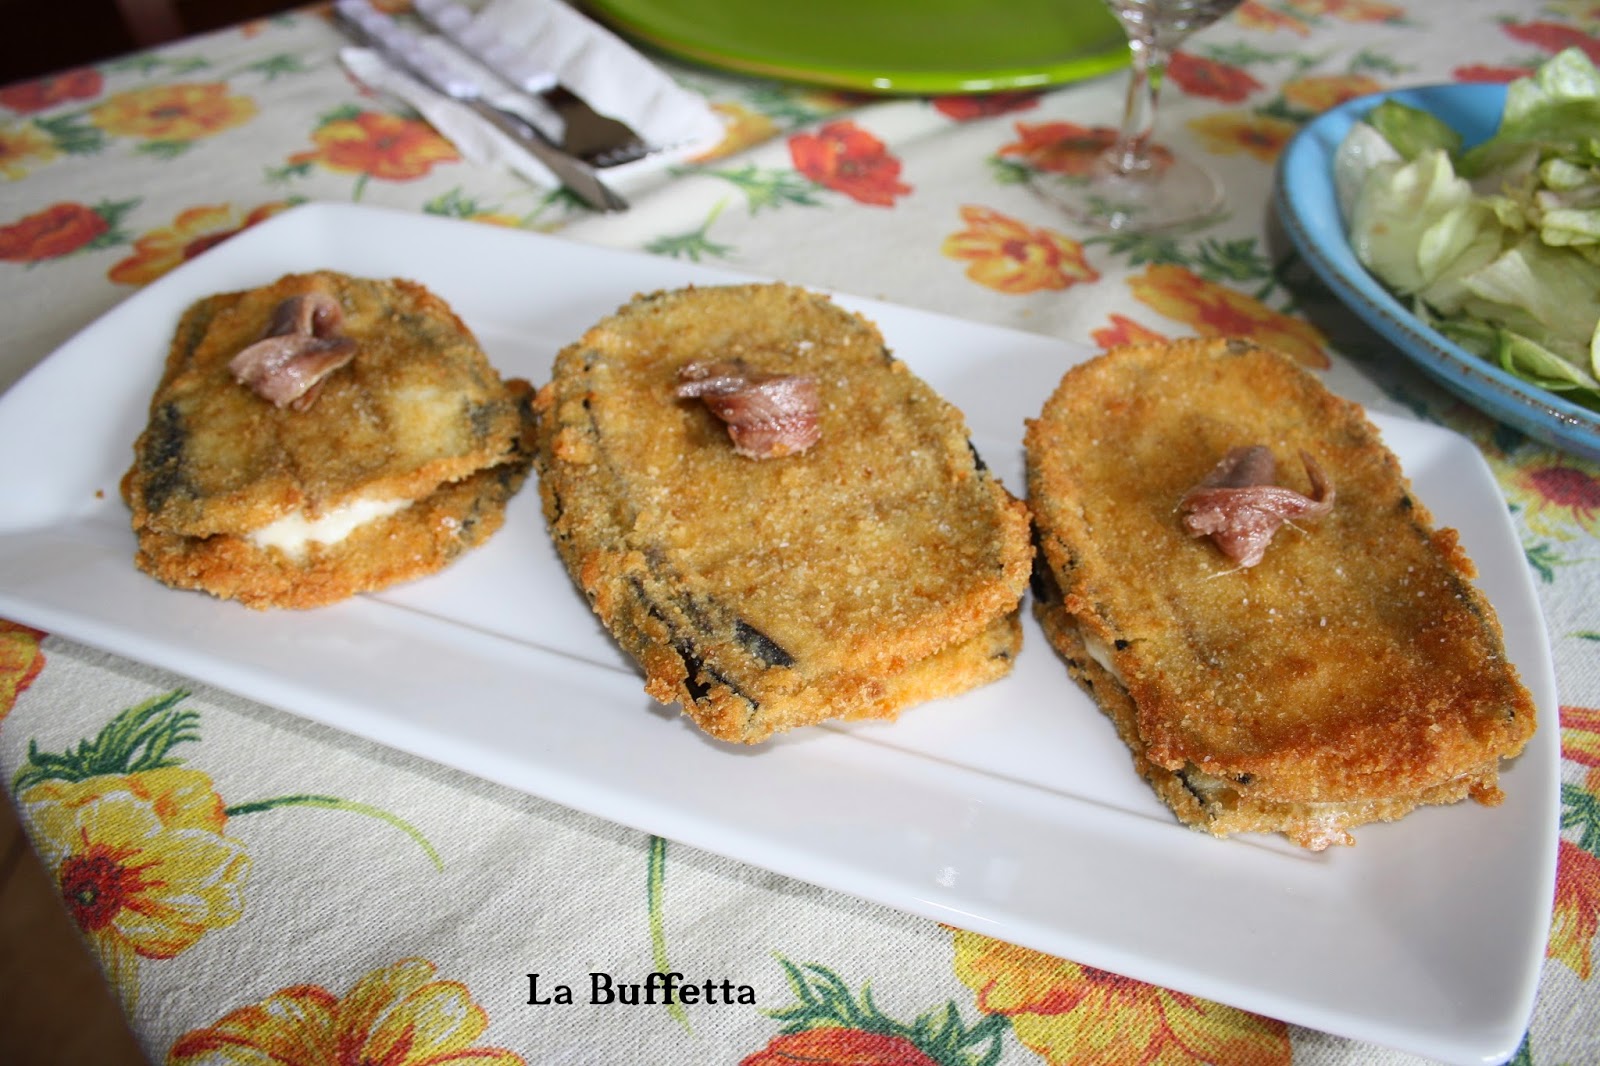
pixel 1352 674
pixel 398 459
pixel 874 565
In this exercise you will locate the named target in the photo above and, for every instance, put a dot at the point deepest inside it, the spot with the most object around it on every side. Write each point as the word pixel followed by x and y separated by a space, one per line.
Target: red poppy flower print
pixel 1576 915
pixel 984 105
pixel 1553 37
pixel 1559 498
pixel 846 158
pixel 49 234
pixel 1066 147
pixel 1207 77
pixel 1482 72
pixel 41 93
pixel 1124 330
pixel 377 145
pixel 837 1046
pixel 1580 735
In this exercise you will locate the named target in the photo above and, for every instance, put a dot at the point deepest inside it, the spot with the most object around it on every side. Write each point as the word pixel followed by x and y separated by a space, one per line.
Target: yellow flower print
pixel 1214 310
pixel 398 1015
pixel 1232 132
pixel 141 862
pixel 20 661
pixel 1010 257
pixel 22 147
pixel 1254 15
pixel 1318 93
pixel 1086 1017
pixel 497 218
pixel 192 232
pixel 741 129
pixel 1559 497
pixel 185 112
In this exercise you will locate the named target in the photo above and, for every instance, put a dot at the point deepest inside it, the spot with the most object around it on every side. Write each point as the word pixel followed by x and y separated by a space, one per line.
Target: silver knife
pixel 406 50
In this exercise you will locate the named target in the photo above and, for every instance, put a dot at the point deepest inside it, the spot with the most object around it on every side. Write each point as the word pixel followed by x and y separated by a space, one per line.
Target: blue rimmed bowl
pixel 1306 201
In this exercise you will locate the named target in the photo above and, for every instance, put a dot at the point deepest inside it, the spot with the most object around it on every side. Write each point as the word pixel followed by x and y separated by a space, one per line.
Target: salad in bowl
pixel 1496 246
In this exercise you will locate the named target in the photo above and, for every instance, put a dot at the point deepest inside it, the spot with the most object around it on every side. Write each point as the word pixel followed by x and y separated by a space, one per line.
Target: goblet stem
pixel 1131 153
pixel 1136 184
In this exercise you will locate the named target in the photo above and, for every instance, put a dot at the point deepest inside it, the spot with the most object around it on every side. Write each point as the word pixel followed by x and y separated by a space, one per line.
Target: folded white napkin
pixel 579 54
pixel 603 69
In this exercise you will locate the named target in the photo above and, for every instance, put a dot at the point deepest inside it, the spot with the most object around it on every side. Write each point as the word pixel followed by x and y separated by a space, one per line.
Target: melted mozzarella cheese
pixel 294 533
pixel 1099 653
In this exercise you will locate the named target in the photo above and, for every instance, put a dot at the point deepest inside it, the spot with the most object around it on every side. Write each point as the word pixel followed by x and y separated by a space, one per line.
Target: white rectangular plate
pixel 1013 810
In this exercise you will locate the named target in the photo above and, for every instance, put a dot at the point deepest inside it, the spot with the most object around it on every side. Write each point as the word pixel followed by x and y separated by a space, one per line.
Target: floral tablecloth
pixel 262 889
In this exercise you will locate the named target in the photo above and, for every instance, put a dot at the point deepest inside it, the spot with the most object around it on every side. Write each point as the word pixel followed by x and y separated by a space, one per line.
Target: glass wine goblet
pixel 1136 185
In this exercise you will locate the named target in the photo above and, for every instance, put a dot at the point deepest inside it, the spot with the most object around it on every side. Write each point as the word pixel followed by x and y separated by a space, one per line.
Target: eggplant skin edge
pixel 882 567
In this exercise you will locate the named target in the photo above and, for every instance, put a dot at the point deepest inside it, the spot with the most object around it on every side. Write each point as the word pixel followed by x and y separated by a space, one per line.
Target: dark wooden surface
pixel 55 1007
pixel 40 37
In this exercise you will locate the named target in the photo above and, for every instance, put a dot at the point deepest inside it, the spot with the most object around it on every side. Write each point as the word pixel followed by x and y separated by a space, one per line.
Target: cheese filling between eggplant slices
pixel 1098 652
pixel 294 533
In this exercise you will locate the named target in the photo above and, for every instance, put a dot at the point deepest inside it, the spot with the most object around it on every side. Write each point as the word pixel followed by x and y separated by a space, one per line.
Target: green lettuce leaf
pixel 1399 203
pixel 1411 130
pixel 1555 111
pixel 1497 246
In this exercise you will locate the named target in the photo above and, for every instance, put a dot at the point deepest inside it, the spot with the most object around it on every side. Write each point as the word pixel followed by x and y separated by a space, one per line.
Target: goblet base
pixel 1172 192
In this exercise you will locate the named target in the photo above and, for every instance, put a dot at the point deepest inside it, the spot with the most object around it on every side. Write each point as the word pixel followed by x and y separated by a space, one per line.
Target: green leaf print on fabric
pixel 1005 171
pixel 655 899
pixel 136 740
pixel 156 63
pixel 1580 809
pixel 71 133
pixel 164 149
pixel 694 244
pixel 790 107
pixel 553 205
pixel 1543 559
pixel 140 740
pixel 830 1024
pixel 765 188
pixel 333 803
pixel 276 66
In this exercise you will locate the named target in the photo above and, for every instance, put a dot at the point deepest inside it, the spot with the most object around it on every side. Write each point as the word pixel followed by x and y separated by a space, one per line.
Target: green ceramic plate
pixel 885 46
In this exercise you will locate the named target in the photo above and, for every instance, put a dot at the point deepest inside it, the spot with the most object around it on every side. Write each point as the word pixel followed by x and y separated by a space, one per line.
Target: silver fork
pixel 408 50
pixel 599 140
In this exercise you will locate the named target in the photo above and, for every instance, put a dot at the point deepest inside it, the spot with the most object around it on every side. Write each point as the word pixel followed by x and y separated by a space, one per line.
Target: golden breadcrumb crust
pixel 1218 806
pixel 418 415
pixel 767 594
pixel 1355 666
